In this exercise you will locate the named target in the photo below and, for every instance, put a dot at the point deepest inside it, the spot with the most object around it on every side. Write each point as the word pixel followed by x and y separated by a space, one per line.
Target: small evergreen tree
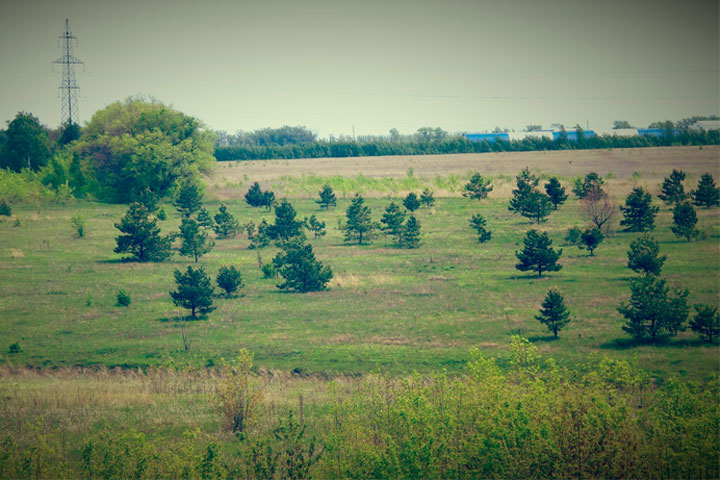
pixel 229 279
pixel 316 226
pixel 285 226
pixel 5 210
pixel 359 225
pixel 643 256
pixel 392 221
pixel 652 314
pixel 226 226
pixel 427 198
pixel 526 183
pixel 536 206
pixel 673 190
pixel 537 255
pixel 591 183
pixel 254 195
pixel 258 237
pixel 297 265
pixel 573 236
pixel 478 223
pixel 706 322
pixel 194 291
pixel 685 219
pixel 78 222
pixel 411 202
pixel 556 192
pixel 553 313
pixel 638 211
pixel 327 197
pixel 122 299
pixel 590 239
pixel 204 218
pixel 411 233
pixel 268 199
pixel 707 194
pixel 141 236
pixel 477 188
pixel 188 199
pixel 195 241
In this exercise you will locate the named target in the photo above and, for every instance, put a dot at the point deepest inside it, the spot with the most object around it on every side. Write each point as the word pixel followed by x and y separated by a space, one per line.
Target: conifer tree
pixel 478 223
pixel 673 190
pixel 638 211
pixel 536 206
pixel 537 255
pixel 556 192
pixel 707 194
pixel 392 221
pixel 194 291
pixel 286 226
pixel 316 226
pixel 188 199
pixel 327 197
pixel 204 219
pixel 229 279
pixel 359 225
pixel 591 183
pixel 526 183
pixel 643 256
pixel 254 195
pixel 195 241
pixel 411 202
pixel 141 236
pixel 427 198
pixel 5 210
pixel 226 226
pixel 651 313
pixel 297 265
pixel 706 322
pixel 411 233
pixel 685 219
pixel 553 313
pixel 590 239
pixel 477 188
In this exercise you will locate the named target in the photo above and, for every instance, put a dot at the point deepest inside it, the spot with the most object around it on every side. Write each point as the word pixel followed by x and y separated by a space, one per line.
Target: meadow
pixel 89 367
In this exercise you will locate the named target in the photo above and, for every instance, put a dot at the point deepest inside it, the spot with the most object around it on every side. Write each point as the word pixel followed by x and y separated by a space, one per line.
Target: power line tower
pixel 68 86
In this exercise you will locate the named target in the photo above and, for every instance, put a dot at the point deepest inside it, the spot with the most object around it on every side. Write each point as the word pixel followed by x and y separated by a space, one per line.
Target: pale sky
pixel 330 65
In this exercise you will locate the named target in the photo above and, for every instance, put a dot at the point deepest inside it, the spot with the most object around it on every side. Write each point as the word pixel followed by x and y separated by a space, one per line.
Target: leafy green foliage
pixel 651 313
pixel 411 233
pixel 123 299
pixel 673 190
pixel 684 221
pixel 226 226
pixel 27 144
pixel 479 224
pixel 286 225
pixel 229 279
pixel 556 192
pixel 643 256
pixel 478 187
pixel 638 211
pixel 141 236
pixel 426 198
pixel 134 146
pixel 411 202
pixel 706 322
pixel 327 197
pixel 188 199
pixel 194 291
pixel 707 194
pixel 553 313
pixel 591 239
pixel 297 265
pixel 195 241
pixel 591 183
pixel 238 393
pixel 537 255
pixel 359 225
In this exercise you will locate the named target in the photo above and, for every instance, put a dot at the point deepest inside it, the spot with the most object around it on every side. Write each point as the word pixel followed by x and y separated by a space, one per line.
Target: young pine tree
pixel 525 185
pixel 684 221
pixel 392 221
pixel 411 233
pixel 286 225
pixel 411 202
pixel 226 226
pixel 141 236
pixel 194 291
pixel 556 192
pixel 478 223
pixel 536 206
pixel 188 199
pixel 553 313
pixel 327 197
pixel 316 226
pixel 638 211
pixel 537 255
pixel 643 256
pixel 591 183
pixel 229 279
pixel 673 190
pixel 426 198
pixel 5 210
pixel 590 239
pixel 707 194
pixel 706 322
pixel 297 265
pixel 195 241
pixel 204 218
pixel 477 188
pixel 254 195
pixel 359 225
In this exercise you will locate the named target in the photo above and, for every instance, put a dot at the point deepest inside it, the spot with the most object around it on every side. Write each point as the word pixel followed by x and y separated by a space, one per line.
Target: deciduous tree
pixel 26 145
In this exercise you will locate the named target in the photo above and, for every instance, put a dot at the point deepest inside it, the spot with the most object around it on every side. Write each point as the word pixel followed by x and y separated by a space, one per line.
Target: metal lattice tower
pixel 68 86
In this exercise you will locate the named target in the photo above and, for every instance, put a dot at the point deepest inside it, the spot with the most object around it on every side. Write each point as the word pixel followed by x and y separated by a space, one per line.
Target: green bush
pixel 123 299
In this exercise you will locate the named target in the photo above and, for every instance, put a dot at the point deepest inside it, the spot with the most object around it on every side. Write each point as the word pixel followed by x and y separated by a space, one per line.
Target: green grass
pixel 387 308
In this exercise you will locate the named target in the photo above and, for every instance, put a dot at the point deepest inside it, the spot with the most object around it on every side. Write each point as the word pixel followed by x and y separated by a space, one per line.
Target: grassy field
pixel 387 309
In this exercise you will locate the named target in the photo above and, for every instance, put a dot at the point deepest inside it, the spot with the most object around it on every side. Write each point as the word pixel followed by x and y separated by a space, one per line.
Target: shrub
pixel 15 348
pixel 123 299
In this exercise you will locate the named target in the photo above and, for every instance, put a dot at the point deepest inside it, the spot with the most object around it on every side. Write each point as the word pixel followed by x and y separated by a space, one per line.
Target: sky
pixel 339 66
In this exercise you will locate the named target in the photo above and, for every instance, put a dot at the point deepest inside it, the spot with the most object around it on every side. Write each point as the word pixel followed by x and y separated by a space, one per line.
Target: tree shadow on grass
pixel 185 318
pixel 543 339
pixel 628 343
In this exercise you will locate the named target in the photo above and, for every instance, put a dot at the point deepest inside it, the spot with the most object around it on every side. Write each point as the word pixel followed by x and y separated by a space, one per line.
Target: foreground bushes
pixel 531 420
